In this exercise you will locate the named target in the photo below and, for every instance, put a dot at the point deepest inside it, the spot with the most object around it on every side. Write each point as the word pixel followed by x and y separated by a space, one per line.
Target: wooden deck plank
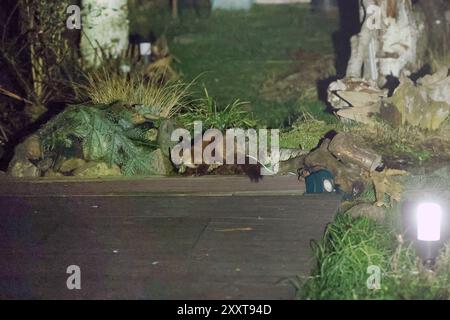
pixel 153 246
pixel 71 186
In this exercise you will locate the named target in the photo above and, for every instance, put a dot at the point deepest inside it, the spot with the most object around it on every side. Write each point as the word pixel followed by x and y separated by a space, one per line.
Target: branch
pixel 14 96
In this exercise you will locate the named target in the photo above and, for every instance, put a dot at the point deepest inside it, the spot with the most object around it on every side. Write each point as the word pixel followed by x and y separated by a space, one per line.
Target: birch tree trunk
pixel 398 37
pixel 105 30
pixel 388 41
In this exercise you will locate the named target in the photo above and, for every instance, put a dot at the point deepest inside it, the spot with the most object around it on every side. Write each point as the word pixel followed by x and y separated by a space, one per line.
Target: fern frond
pixel 104 137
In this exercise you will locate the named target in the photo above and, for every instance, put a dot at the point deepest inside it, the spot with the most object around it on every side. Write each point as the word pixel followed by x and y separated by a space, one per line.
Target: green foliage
pixel 237 51
pixel 348 248
pixel 213 116
pixel 106 134
pixel 306 133
pixel 415 152
pixel 351 245
pixel 368 195
pixel 403 141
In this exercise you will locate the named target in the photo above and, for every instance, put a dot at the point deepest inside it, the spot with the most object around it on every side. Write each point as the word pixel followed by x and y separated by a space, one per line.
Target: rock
pixel 30 149
pixel 390 114
pixel 33 147
pixel 159 163
pixel 53 174
pixel 386 184
pixel 24 169
pixel 20 165
pixel 45 164
pixel 363 114
pixel 369 211
pixel 361 98
pixel 165 134
pixel 437 86
pixel 417 106
pixel 97 169
pixel 356 99
pixel 69 165
pixel 354 92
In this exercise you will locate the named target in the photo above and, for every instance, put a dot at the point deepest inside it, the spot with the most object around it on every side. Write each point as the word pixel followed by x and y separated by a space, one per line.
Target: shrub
pixel 162 101
pixel 213 116
pixel 106 133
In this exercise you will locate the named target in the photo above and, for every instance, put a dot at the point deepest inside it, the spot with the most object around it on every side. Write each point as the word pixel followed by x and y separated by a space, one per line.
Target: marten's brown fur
pixel 253 171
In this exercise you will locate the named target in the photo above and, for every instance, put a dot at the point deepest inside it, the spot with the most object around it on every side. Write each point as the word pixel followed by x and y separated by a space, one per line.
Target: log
pixel 346 176
pixel 344 148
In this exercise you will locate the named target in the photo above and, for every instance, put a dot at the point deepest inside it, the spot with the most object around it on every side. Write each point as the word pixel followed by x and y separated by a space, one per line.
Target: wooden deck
pixel 195 238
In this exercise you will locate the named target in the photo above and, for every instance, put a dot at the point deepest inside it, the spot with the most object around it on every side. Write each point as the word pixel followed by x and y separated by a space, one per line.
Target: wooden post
pixel 175 9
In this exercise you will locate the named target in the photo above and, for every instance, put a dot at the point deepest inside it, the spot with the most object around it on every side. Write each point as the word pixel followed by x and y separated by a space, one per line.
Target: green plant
pixel 106 132
pixel 348 248
pixel 351 245
pixel 306 133
pixel 405 140
pixel 267 39
pixel 159 101
pixel 213 116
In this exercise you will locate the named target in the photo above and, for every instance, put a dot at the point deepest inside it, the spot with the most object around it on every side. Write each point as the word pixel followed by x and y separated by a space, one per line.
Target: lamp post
pixel 429 225
pixel 145 50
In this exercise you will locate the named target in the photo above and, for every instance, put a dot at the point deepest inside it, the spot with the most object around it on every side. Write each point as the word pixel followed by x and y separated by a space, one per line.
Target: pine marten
pixel 250 167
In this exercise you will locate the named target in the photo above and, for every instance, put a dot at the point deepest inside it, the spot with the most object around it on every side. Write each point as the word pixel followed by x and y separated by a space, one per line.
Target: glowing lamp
pixel 429 219
pixel 145 50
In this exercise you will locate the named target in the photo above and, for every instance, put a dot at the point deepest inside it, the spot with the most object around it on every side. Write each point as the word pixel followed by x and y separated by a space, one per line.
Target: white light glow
pixel 429 218
pixel 145 48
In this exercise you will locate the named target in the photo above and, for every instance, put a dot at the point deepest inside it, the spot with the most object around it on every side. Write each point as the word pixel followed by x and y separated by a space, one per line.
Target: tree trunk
pixel 396 37
pixel 105 30
pixel 437 22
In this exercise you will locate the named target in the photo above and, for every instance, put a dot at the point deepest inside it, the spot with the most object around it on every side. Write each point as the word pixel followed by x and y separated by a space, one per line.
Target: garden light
pixel 145 50
pixel 429 217
pixel 429 224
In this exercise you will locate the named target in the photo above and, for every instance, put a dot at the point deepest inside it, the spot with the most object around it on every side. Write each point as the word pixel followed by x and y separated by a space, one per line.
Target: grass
pixel 405 140
pixel 306 134
pixel 351 245
pixel 214 116
pixel 235 52
pixel 312 124
pixel 161 101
